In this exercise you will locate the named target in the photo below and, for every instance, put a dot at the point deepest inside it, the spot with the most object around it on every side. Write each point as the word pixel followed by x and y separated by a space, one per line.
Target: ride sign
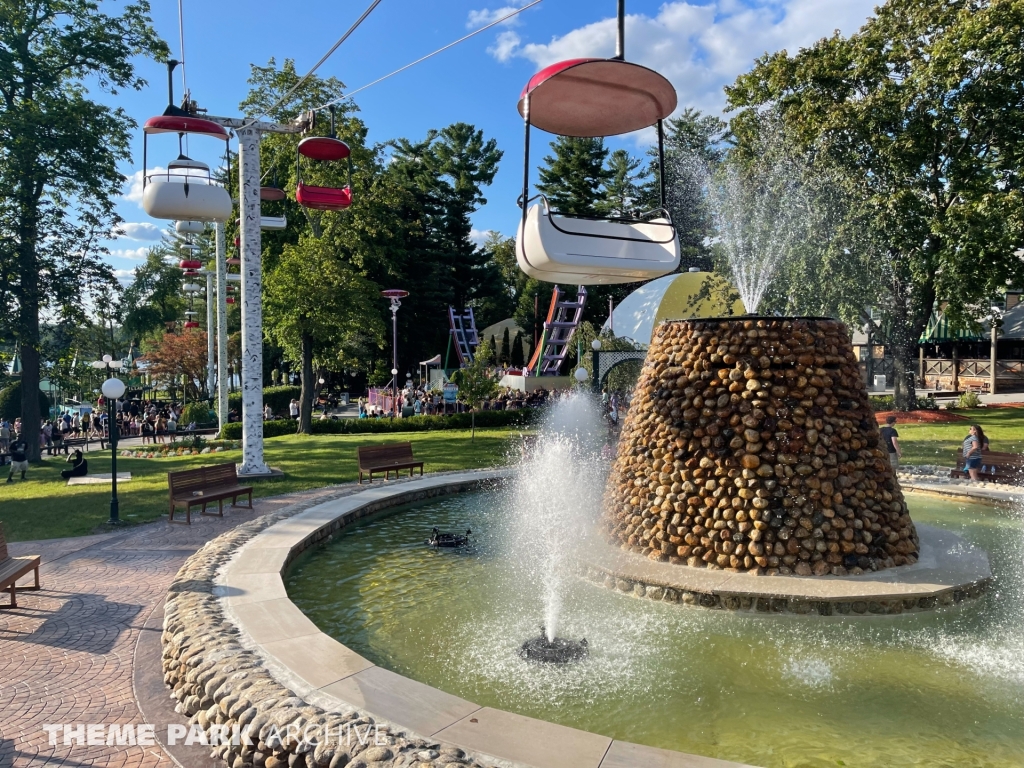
pixel 451 392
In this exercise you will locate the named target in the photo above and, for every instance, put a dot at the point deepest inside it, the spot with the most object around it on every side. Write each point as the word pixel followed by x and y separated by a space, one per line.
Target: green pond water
pixel 912 690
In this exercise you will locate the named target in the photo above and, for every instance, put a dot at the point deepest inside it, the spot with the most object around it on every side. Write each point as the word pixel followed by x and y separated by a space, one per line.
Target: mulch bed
pixel 921 417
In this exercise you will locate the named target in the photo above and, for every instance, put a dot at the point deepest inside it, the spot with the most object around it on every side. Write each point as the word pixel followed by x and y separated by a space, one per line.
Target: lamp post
pixel 112 389
pixel 395 295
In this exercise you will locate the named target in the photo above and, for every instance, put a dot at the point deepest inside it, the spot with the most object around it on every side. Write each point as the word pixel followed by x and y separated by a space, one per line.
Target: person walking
pixel 5 435
pixel 293 409
pixel 19 458
pixel 974 444
pixel 890 439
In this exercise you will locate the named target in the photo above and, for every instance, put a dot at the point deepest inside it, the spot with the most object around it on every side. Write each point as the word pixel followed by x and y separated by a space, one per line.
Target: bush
pixel 276 397
pixel 199 412
pixel 968 400
pixel 10 403
pixel 280 427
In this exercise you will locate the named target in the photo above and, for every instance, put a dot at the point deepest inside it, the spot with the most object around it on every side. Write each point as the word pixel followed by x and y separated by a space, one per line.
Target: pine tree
pixel 518 359
pixel 506 348
pixel 621 194
pixel 492 348
pixel 572 179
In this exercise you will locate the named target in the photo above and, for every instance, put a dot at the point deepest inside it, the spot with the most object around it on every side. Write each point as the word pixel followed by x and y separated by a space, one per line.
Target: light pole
pixel 112 389
pixel 395 295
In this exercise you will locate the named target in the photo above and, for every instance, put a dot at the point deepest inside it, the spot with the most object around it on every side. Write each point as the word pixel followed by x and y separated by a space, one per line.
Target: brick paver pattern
pixel 66 653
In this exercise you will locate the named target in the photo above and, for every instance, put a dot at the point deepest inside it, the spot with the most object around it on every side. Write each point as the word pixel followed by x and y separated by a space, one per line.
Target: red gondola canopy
pixel 323 148
pixel 597 97
pixel 171 124
pixel 271 194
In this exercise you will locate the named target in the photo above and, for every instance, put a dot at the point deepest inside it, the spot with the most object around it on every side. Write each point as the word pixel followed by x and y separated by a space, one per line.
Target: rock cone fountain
pixel 750 445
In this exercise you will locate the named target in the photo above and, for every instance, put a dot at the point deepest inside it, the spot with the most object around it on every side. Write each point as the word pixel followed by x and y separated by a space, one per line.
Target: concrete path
pixel 67 653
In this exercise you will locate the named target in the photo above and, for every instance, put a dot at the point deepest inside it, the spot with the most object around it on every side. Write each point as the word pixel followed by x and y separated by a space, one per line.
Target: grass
pixel 44 507
pixel 938 443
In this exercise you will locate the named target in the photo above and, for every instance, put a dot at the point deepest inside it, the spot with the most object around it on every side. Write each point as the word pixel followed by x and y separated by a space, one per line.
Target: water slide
pixel 559 326
pixel 463 330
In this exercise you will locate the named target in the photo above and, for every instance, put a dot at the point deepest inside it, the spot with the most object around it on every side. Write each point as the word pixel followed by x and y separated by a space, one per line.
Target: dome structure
pixel 673 297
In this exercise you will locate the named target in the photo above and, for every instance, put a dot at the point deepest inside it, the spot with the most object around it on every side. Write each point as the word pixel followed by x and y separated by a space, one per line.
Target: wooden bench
pixel 198 487
pixel 387 459
pixel 999 467
pixel 13 568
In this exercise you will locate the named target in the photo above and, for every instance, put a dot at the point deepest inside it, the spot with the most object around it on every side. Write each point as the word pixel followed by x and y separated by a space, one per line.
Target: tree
pixel 621 194
pixel 59 155
pixel 572 178
pixel 518 358
pixel 923 114
pixel 506 348
pixel 177 356
pixel 11 403
pixel 153 298
pixel 476 382
pixel 493 349
pixel 313 302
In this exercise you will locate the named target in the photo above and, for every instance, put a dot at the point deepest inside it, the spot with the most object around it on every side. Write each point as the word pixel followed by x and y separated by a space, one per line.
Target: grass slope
pixel 45 507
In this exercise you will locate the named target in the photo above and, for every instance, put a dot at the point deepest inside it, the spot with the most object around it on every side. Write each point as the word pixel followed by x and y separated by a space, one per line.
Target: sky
pixel 699 45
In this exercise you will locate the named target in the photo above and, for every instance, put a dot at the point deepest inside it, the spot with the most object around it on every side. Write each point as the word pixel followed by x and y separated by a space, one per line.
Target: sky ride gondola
pixel 273 194
pixel 185 191
pixel 324 149
pixel 596 98
pixel 189 227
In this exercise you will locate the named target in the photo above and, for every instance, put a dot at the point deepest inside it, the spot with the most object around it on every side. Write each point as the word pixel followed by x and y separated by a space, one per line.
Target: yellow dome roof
pixel 675 297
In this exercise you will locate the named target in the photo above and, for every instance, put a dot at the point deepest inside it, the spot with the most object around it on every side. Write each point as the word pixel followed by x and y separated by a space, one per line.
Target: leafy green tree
pixel 518 358
pixel 921 110
pixel 59 177
pixel 493 348
pixel 572 178
pixel 621 195
pixel 313 300
pixel 476 382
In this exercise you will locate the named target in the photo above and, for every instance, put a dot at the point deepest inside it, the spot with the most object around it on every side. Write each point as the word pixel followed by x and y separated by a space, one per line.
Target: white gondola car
pixel 191 288
pixel 189 227
pixel 185 191
pixel 596 98
pixel 273 222
pixel 586 251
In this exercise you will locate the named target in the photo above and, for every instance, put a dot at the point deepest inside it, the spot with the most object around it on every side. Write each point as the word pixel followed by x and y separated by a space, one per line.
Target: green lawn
pixel 938 443
pixel 45 507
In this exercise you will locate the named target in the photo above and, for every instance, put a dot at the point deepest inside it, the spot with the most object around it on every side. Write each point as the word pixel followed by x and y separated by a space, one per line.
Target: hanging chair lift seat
pixel 185 191
pixel 591 251
pixel 325 149
pixel 595 98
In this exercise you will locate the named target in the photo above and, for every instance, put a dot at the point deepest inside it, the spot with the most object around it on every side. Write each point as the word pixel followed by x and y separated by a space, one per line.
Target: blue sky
pixel 700 45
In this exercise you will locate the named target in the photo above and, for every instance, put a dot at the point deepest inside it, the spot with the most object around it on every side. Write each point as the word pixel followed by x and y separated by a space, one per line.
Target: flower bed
pixel 178 449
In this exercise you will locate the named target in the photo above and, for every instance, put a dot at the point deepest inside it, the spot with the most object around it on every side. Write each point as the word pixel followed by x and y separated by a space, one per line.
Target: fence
pixel 956 375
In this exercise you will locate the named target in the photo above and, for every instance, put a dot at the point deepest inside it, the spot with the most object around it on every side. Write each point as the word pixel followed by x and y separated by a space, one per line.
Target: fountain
pixel 751 446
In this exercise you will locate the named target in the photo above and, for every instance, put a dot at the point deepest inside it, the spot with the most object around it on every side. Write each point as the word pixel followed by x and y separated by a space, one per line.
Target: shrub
pixel 10 403
pixel 968 400
pixel 280 427
pixel 882 402
pixel 199 412
pixel 276 397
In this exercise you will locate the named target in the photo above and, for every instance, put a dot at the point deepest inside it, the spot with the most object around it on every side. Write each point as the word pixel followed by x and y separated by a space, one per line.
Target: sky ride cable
pixel 325 57
pixel 350 94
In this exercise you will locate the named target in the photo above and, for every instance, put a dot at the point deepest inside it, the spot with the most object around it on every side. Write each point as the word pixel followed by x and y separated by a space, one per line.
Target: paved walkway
pixel 67 652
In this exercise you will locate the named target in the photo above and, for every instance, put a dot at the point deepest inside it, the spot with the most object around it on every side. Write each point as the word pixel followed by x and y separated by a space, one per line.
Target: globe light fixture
pixel 595 345
pixel 581 374
pixel 112 389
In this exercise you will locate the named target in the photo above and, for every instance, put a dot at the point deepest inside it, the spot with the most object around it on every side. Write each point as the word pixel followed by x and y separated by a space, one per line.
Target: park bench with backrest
pixel 387 459
pixel 999 467
pixel 13 568
pixel 199 487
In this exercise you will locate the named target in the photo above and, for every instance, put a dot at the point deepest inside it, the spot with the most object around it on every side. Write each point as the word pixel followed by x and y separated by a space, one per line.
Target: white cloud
pixel 137 231
pixel 479 236
pixel 505 46
pixel 700 47
pixel 485 16
pixel 124 276
pixel 135 254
